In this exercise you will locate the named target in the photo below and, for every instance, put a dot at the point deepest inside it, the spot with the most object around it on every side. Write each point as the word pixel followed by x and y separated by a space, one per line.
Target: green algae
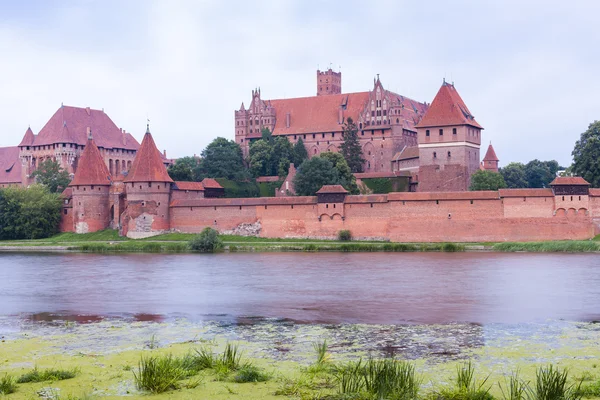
pixel 107 353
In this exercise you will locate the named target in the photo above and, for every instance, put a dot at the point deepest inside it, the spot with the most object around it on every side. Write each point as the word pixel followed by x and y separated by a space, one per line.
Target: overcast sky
pixel 528 70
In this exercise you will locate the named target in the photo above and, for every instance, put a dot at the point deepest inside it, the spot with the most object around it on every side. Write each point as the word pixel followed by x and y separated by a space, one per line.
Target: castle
pixel 436 144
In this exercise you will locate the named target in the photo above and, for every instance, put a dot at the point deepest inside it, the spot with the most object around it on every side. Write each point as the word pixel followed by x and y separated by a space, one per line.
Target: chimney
pixel 165 153
pixel 124 136
pixel 89 132
pixel 87 110
pixel 287 120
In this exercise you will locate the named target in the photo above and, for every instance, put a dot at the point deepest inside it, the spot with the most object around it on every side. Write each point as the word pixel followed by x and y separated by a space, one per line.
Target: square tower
pixel 329 82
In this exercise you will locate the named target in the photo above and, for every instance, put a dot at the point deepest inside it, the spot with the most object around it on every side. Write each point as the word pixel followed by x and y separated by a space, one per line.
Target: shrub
pixel 208 241
pixel 158 374
pixel 344 235
pixel 8 385
pixel 37 375
pixel 551 384
pixel 250 373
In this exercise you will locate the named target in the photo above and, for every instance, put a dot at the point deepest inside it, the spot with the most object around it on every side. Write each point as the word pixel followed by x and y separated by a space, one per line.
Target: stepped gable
pixel 490 155
pixel 148 164
pixel 447 108
pixel 91 169
pixel 28 138
pixel 69 124
pixel 10 165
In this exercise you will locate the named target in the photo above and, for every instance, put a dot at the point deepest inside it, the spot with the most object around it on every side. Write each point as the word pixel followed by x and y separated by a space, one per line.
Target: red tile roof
pixel 320 113
pixel 332 189
pixel 210 183
pixel 181 185
pixel 526 192
pixel 10 165
pixel 490 155
pixel 69 125
pixel 407 153
pixel 148 164
pixel 67 193
pixel 447 108
pixel 569 180
pixel 28 138
pixel 91 169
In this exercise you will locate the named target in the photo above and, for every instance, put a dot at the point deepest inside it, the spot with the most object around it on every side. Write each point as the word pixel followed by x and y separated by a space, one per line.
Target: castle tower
pixel 449 139
pixel 490 161
pixel 90 187
pixel 329 82
pixel 148 189
pixel 25 156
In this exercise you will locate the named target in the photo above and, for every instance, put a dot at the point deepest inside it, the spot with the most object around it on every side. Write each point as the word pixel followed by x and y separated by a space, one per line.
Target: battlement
pixel 329 82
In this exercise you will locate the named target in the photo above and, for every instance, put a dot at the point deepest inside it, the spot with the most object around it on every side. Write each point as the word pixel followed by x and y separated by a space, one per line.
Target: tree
pixel 222 158
pixel 313 174
pixel 586 155
pixel 28 213
pixel 50 174
pixel 539 174
pixel 183 169
pixel 347 179
pixel 266 134
pixel 207 241
pixel 487 180
pixel 260 158
pixel 299 153
pixel 514 175
pixel 282 154
pixel 350 147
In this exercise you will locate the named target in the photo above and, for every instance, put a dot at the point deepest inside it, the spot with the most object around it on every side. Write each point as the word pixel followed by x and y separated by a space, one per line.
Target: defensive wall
pixel 495 216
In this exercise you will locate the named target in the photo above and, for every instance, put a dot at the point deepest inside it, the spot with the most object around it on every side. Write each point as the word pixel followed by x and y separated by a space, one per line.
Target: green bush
pixel 158 374
pixel 37 375
pixel 250 373
pixel 344 235
pixel 208 241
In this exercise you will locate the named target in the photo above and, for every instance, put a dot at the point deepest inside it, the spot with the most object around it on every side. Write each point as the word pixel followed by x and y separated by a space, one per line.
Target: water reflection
pixel 378 288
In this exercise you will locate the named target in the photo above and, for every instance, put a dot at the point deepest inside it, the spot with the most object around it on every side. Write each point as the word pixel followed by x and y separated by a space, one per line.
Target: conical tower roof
pixel 490 155
pixel 447 108
pixel 91 169
pixel 148 165
pixel 28 138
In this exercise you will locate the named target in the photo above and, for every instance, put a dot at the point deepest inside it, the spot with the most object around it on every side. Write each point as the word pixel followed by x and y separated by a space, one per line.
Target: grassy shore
pixel 108 241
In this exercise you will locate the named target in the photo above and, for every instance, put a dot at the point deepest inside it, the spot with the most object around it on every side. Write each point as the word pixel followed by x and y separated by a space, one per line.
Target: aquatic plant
pixel 466 387
pixel 344 235
pixel 8 384
pixel 514 387
pixel 551 383
pixel 250 373
pixel 231 357
pixel 37 375
pixel 321 350
pixel 157 374
pixel 556 246
pixel 204 359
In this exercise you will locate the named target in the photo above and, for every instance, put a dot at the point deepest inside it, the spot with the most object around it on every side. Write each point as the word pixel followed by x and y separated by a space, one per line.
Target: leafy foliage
pixel 586 155
pixel 222 158
pixel 344 235
pixel 28 213
pixel 385 185
pixel 313 174
pixel 350 147
pixel 208 241
pixel 299 153
pixel 539 174
pixel 270 156
pixel 183 169
pixel 514 175
pixel 50 174
pixel 39 375
pixel 487 180
pixel 347 179
pixel 8 385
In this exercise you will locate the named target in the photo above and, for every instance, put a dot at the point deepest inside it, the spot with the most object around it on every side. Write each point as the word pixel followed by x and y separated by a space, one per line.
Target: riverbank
pixel 108 241
pixel 104 356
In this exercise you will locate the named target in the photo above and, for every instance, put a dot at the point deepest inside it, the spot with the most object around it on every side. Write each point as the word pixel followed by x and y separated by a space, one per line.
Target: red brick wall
pixel 91 208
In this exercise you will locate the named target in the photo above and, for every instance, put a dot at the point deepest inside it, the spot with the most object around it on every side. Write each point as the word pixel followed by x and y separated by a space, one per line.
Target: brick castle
pixel 120 184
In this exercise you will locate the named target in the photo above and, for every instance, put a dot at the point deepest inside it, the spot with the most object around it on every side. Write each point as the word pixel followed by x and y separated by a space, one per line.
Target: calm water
pixel 307 287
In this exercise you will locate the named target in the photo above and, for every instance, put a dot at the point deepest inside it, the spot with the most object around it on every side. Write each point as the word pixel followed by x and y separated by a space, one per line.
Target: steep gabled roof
pixel 91 169
pixel 28 138
pixel 569 180
pixel 69 125
pixel 10 165
pixel 447 108
pixel 490 154
pixel 210 183
pixel 182 185
pixel 148 164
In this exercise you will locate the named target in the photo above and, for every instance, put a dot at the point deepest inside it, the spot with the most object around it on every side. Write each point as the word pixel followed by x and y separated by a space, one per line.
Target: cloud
pixel 527 70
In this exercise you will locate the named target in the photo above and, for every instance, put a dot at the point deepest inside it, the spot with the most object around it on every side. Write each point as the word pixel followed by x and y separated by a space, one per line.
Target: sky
pixel 527 69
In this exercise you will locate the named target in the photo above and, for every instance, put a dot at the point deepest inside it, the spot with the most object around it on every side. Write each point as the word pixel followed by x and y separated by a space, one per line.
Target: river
pixel 320 288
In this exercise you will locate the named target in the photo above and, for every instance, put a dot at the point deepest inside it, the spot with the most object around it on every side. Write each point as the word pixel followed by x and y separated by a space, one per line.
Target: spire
pixel 490 155
pixel 147 165
pixel 447 108
pixel 91 169
pixel 28 138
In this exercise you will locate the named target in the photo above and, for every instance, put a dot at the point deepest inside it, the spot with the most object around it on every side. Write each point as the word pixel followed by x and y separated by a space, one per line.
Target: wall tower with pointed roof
pixel 449 140
pixel 148 190
pixel 90 192
pixel 490 161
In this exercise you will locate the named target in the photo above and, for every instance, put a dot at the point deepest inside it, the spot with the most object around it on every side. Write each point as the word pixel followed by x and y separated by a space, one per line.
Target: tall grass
pixel 37 375
pixel 323 355
pixel 466 386
pixel 383 379
pixel 514 388
pixel 548 247
pixel 551 383
pixel 157 374
pixel 8 385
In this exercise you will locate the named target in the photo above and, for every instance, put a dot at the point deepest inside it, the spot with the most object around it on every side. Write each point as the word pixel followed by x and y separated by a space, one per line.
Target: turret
pixel 90 190
pixel 148 188
pixel 490 161
pixel 329 82
pixel 449 139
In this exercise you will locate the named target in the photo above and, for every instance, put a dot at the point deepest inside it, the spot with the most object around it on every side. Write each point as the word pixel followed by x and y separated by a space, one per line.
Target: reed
pixel 250 373
pixel 466 386
pixel 549 247
pixel 514 388
pixel 8 385
pixel 551 383
pixel 157 374
pixel 37 375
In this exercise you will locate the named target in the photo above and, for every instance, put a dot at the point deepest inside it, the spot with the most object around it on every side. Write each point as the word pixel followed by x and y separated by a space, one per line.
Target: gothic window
pixel 250 122
pixel 323 136
pixel 313 135
pixel 397 121
pixel 384 113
